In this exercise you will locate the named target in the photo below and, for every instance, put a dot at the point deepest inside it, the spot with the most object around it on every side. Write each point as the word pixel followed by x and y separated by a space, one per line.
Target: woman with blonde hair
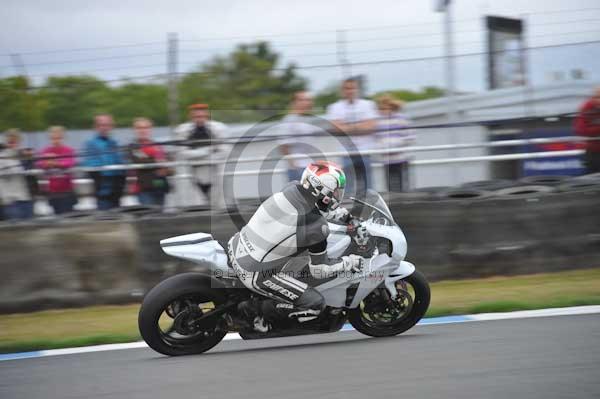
pixel 57 159
pixel 393 132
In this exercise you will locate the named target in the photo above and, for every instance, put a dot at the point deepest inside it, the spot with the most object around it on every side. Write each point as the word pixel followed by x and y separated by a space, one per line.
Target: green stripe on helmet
pixel 341 179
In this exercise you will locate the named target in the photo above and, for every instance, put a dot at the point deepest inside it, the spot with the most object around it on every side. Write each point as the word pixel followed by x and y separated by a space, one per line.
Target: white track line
pixel 522 314
pixel 578 310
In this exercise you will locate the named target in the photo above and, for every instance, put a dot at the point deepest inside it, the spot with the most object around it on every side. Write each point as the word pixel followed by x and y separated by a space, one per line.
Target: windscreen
pixel 377 208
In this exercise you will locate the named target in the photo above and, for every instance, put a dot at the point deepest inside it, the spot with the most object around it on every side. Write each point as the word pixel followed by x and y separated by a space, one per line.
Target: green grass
pixel 41 344
pixel 112 324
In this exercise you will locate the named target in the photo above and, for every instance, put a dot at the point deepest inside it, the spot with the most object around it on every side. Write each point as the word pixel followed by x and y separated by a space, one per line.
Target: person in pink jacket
pixel 61 195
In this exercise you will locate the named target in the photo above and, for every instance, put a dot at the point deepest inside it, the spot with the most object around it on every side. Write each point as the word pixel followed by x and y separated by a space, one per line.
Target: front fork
pixel 405 269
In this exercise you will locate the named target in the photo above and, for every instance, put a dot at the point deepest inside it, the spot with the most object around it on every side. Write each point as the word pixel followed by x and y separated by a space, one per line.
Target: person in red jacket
pixel 587 123
pixel 152 184
pixel 57 159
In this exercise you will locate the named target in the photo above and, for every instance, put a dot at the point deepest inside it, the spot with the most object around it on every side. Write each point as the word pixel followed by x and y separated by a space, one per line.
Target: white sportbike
pixel 191 313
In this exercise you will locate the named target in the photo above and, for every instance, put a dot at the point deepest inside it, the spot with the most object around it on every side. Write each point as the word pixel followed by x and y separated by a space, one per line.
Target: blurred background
pixel 128 122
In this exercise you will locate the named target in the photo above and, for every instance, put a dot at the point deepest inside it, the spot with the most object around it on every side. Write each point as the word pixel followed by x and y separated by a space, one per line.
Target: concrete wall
pixel 108 259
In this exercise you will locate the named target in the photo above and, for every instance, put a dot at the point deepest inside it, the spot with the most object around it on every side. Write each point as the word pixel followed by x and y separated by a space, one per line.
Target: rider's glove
pixel 353 263
pixel 358 231
pixel 362 235
pixel 340 215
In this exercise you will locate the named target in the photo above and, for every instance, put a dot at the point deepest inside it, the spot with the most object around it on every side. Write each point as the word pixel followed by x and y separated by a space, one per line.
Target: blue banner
pixel 566 165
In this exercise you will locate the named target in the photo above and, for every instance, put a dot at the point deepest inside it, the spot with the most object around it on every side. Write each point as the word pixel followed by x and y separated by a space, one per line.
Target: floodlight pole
pixel 172 53
pixel 445 6
pixel 453 116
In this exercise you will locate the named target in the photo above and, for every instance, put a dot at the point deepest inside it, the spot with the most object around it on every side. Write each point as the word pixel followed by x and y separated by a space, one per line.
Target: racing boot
pixel 251 310
pixel 277 311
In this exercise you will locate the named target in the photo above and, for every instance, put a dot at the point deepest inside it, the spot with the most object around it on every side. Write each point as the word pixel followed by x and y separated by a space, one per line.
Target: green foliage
pixel 134 100
pixel 19 107
pixel 327 96
pixel 408 95
pixel 331 94
pixel 74 100
pixel 248 84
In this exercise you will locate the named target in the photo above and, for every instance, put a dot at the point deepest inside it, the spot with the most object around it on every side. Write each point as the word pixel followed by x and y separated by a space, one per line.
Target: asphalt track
pixel 549 357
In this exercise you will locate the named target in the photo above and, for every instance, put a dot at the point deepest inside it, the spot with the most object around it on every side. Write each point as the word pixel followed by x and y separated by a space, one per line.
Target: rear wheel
pixel 175 316
pixel 378 315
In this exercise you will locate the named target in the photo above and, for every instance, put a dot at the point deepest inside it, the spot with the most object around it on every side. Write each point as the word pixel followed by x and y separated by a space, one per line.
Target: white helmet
pixel 326 181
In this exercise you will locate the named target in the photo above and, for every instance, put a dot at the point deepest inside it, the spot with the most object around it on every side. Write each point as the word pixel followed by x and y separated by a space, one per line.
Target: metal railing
pixel 220 160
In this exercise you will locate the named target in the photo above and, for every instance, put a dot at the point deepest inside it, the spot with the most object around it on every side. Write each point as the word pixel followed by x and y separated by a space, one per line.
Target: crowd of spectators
pixel 365 124
pixel 19 190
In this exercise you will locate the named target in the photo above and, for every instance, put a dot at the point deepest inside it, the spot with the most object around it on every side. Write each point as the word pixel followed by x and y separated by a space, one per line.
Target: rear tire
pixel 420 304
pixel 156 302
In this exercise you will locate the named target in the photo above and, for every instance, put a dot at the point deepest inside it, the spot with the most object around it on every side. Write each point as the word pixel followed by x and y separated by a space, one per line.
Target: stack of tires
pixel 484 228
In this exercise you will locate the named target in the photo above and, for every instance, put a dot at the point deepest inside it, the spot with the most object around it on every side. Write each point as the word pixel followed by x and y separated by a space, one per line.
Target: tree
pixel 20 105
pixel 327 96
pixel 331 94
pixel 134 100
pixel 74 100
pixel 247 84
pixel 408 95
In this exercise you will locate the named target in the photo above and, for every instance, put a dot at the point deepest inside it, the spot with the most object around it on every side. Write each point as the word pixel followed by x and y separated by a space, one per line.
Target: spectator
pixel 587 123
pixel 28 163
pixel 152 184
pixel 2 217
pixel 14 191
pixel 392 132
pixel 298 122
pixel 358 118
pixel 200 131
pixel 57 159
pixel 102 150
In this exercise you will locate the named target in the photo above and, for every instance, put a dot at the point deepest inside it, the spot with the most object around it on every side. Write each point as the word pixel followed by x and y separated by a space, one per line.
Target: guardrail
pixel 332 154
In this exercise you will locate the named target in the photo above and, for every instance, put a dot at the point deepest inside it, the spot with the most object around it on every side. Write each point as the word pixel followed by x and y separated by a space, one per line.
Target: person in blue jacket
pixel 102 150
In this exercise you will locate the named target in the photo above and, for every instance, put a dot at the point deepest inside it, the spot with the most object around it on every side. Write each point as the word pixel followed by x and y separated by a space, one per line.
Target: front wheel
pixel 378 315
pixel 175 317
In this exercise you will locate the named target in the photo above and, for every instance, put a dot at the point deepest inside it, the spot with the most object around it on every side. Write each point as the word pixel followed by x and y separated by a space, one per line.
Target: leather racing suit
pixel 284 226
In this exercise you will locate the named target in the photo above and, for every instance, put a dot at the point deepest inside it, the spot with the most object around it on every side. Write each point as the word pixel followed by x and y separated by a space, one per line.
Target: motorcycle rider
pixel 284 226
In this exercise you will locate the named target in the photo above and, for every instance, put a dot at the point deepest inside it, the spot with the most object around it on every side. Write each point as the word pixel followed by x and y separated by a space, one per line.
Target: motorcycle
pixel 190 313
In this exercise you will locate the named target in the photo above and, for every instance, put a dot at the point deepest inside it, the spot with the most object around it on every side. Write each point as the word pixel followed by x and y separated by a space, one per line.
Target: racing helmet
pixel 326 181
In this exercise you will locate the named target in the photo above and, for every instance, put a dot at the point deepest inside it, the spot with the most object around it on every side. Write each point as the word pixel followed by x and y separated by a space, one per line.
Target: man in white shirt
pixel 200 131
pixel 299 125
pixel 357 118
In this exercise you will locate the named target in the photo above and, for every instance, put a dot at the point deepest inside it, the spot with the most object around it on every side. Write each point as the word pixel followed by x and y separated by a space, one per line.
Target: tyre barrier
pixel 87 260
pixel 431 190
pixel 462 194
pixel 591 176
pixel 524 191
pixel 490 185
pixel 423 193
pixel 194 208
pixel 79 215
pixel 137 210
pixel 580 185
pixel 545 180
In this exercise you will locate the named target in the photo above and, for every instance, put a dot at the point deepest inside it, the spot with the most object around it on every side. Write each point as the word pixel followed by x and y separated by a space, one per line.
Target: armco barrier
pixel 114 258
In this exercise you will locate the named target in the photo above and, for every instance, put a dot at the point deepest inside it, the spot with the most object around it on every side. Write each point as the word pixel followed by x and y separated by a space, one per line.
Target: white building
pixel 491 105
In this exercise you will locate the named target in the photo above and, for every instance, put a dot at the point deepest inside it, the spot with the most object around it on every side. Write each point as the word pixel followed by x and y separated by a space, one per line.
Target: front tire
pixel 366 322
pixel 171 299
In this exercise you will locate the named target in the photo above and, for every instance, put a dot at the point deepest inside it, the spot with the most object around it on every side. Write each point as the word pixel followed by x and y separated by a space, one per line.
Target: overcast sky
pixel 304 32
